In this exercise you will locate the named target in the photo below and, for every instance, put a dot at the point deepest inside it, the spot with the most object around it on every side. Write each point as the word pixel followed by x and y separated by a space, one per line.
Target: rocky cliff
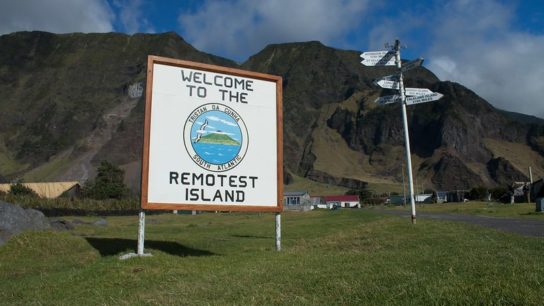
pixel 72 100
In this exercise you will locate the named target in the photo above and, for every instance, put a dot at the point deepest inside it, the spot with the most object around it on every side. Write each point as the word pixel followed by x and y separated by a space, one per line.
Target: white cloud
pixel 229 123
pixel 222 133
pixel 57 16
pixel 240 28
pixel 131 16
pixel 213 118
pixel 476 44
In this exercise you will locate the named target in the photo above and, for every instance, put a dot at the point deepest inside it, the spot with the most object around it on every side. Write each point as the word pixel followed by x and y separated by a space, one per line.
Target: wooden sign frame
pixel 145 204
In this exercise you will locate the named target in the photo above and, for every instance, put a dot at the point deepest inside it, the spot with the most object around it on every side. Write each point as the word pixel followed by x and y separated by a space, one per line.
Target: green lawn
pixel 349 257
pixel 517 210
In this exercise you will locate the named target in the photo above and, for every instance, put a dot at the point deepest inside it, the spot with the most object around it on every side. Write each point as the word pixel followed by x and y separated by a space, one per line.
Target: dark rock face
pixel 450 173
pixel 287 177
pixel 342 122
pixel 536 138
pixel 54 90
pixel 313 76
pixel 504 173
pixel 325 178
pixel 14 220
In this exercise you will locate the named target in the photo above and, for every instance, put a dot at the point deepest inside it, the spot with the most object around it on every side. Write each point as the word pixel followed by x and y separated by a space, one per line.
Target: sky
pixel 493 47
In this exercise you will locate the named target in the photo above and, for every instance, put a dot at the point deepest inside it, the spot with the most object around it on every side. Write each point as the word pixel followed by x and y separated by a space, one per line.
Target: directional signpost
pixel 378 58
pixel 417 99
pixel 417 91
pixel 388 84
pixel 407 96
pixel 388 99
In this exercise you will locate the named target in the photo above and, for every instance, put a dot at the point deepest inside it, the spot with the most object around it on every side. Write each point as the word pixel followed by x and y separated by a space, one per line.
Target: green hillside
pixel 70 101
pixel 216 138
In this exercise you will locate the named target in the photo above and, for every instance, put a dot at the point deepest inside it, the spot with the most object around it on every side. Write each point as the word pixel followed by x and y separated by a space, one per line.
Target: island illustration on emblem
pixel 215 137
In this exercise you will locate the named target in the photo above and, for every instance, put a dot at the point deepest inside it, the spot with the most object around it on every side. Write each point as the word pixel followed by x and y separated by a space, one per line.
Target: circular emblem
pixel 215 137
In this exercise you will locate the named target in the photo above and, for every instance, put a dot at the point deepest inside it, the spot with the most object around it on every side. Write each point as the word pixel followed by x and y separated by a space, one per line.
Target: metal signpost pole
pixel 278 231
pixel 406 134
pixel 141 233
pixel 530 185
pixel 415 96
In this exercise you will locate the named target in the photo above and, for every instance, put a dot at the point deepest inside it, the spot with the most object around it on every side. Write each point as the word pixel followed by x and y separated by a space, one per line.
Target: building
pixel 50 190
pixel 342 201
pixel 397 199
pixel 441 196
pixel 296 198
pixel 537 189
pixel 424 198
pixel 456 195
pixel 318 202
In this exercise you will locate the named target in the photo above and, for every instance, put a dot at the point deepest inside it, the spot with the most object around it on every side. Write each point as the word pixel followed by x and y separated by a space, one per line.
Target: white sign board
pixel 416 91
pixel 388 84
pixel 388 99
pixel 213 138
pixel 378 58
pixel 423 98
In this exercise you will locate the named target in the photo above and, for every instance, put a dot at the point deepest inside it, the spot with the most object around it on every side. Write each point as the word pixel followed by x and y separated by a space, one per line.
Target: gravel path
pixel 527 227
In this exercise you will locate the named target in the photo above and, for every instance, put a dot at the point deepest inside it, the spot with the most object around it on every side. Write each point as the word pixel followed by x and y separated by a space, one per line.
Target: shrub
pixel 362 193
pixel 108 183
pixel 19 189
pixel 500 194
pixel 477 193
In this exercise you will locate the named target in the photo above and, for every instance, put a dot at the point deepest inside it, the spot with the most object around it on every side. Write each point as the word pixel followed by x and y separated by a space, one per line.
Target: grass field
pixel 518 210
pixel 313 187
pixel 348 257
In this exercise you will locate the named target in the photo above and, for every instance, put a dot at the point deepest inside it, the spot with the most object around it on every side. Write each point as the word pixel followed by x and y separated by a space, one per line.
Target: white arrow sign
pixel 378 58
pixel 388 81
pixel 411 65
pixel 388 84
pixel 387 99
pixel 391 77
pixel 424 98
pixel 417 91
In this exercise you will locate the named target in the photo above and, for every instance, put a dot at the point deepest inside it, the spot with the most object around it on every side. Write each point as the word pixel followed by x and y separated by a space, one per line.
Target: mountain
pixel 522 118
pixel 69 101
pixel 215 138
pixel 333 128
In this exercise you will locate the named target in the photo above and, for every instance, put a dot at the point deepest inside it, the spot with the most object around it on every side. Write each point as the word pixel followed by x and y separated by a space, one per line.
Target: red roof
pixel 342 198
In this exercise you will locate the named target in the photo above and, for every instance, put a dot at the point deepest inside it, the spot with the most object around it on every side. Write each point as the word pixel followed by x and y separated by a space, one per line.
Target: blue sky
pixel 493 47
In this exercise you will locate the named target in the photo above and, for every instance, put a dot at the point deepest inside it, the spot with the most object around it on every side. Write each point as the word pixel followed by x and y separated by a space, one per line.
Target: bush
pixel 375 201
pixel 19 189
pixel 108 183
pixel 500 194
pixel 477 194
pixel 363 194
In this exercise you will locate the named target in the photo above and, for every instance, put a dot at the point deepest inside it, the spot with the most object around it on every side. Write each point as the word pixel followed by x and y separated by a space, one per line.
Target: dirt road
pixel 527 227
